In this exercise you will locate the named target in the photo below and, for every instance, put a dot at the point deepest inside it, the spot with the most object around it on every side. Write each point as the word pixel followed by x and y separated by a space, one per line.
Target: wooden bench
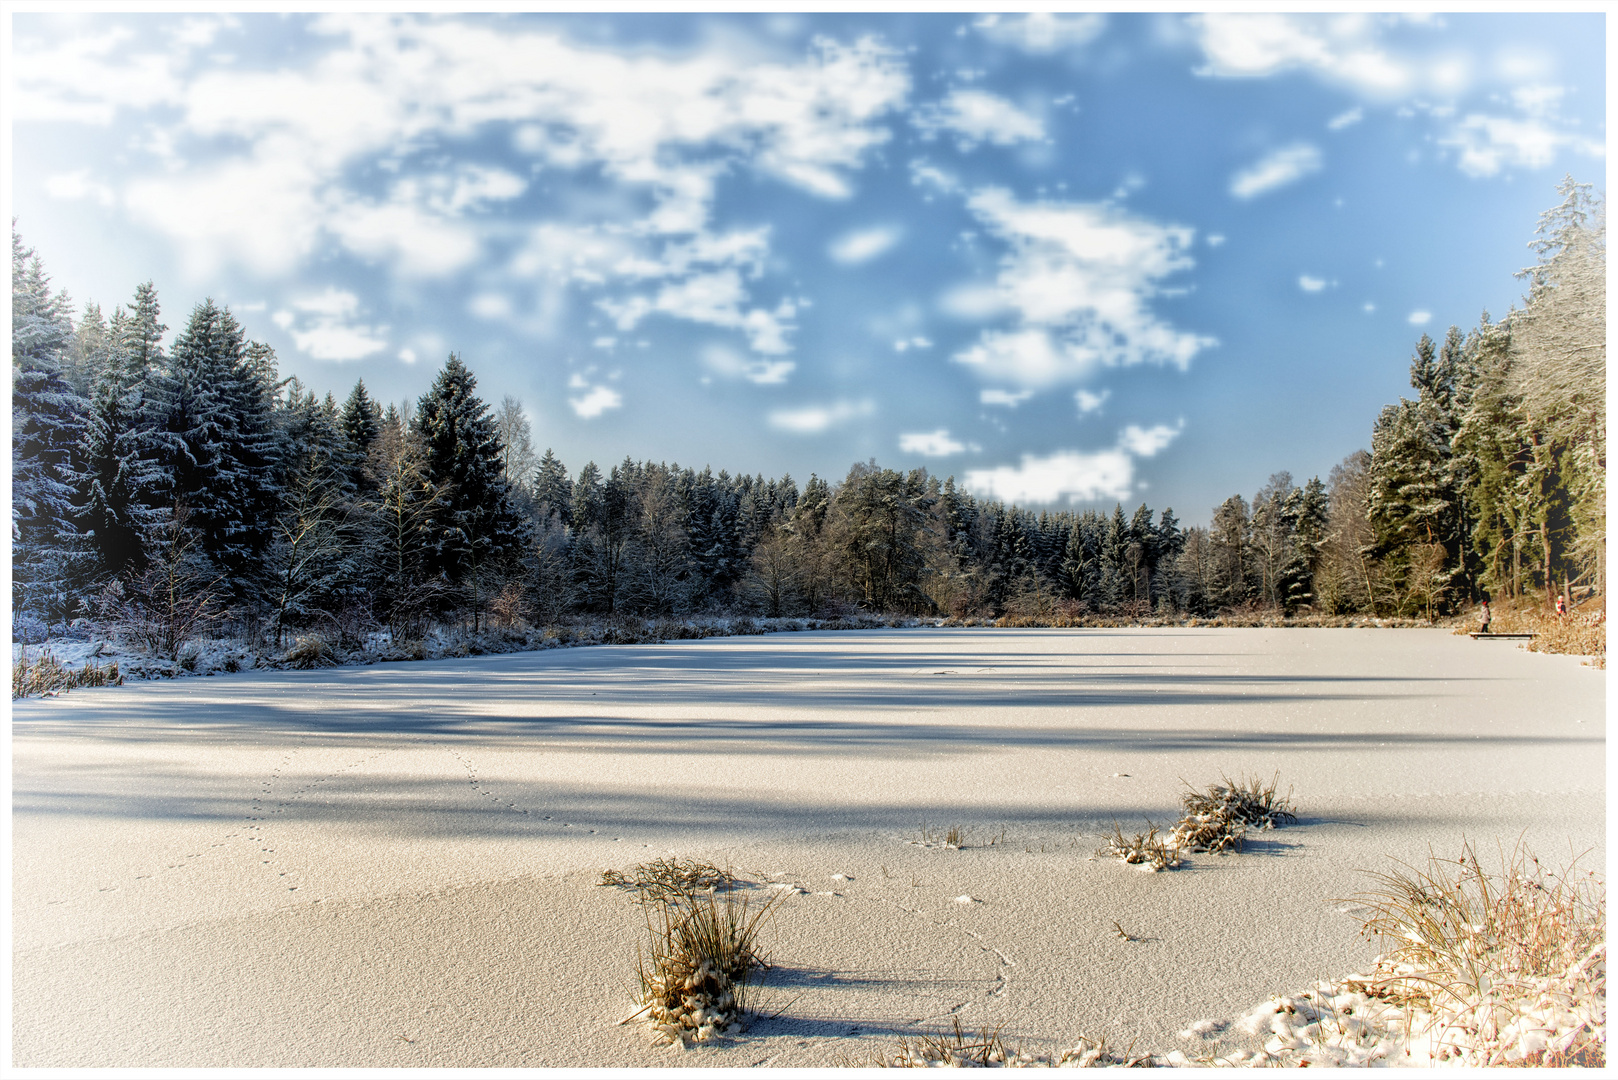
pixel 1474 635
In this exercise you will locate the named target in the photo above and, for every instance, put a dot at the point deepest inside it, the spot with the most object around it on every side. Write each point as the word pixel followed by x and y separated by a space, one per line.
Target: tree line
pixel 169 490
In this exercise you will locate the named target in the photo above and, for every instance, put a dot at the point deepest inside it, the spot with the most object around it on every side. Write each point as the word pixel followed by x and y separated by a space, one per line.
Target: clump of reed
pixel 44 674
pixel 311 651
pixel 1145 850
pixel 951 1048
pixel 669 879
pixel 702 955
pixel 1217 819
pixel 1504 967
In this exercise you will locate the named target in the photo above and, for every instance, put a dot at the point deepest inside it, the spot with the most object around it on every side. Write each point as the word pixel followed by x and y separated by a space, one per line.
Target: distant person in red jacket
pixel 1561 605
pixel 1484 629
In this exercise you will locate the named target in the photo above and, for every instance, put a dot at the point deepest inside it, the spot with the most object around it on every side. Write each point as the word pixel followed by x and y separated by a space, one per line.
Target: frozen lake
pixel 395 865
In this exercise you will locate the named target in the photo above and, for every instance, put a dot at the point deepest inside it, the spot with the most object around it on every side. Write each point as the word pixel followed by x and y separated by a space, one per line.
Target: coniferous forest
pixel 164 494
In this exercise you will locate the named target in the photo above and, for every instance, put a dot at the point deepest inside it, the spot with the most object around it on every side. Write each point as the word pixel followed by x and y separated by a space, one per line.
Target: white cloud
pixel 1071 474
pixel 1341 49
pixel 925 174
pixel 930 444
pixel 1066 474
pixel 78 185
pixel 1215 239
pixel 1078 277
pixel 1368 307
pixel 490 306
pixel 408 355
pixel 334 303
pixel 278 152
pixel 715 298
pixel 977 116
pixel 1146 442
pixel 1041 32
pixel 863 245
pixel 1485 144
pixel 326 328
pixel 597 400
pixel 1354 52
pixel 1311 284
pixel 724 362
pixel 337 341
pixel 1008 398
pixel 1090 402
pixel 1346 119
pixel 1277 169
pixel 974 303
pixel 1419 318
pixel 813 419
pixel 907 344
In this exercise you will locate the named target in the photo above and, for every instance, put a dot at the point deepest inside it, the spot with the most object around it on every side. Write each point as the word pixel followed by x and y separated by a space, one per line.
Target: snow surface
pixel 395 865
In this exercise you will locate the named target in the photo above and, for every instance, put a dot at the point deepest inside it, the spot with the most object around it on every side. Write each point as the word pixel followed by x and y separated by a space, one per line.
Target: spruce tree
pixel 553 491
pixel 47 420
pixel 212 443
pixel 474 527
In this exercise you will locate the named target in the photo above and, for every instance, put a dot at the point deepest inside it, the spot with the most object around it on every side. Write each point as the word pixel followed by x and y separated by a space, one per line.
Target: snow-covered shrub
pixel 310 651
pixel 28 629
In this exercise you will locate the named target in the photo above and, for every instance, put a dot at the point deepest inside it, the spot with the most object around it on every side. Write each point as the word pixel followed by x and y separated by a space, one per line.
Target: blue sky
pixel 1070 259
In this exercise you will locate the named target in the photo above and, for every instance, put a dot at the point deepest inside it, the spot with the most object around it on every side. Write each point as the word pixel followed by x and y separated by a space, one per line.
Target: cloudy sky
pixel 1069 259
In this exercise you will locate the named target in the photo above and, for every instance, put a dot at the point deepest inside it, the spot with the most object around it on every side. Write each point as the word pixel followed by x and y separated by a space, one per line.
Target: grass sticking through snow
pixel 702 955
pixel 1143 849
pixel 45 674
pixel 702 959
pixel 670 879
pixel 1494 968
pixel 1218 818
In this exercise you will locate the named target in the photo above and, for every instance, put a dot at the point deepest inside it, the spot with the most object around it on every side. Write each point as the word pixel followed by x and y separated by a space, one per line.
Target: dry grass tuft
pixel 948 1048
pixel 1143 849
pixel 702 959
pixel 987 1050
pixel 45 675
pixel 670 879
pixel 311 651
pixel 1217 819
pixel 1502 968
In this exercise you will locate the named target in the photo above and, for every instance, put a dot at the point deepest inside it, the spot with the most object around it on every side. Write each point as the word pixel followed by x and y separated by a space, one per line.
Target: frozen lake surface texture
pixel 396 865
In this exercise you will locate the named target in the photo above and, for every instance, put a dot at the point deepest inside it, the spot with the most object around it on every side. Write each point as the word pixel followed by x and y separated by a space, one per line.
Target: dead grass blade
pixel 1510 964
pixel 1143 849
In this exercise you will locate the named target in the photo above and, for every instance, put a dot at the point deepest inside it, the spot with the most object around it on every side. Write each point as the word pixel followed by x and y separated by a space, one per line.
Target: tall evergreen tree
pixel 119 478
pixel 474 526
pixel 47 420
pixel 212 443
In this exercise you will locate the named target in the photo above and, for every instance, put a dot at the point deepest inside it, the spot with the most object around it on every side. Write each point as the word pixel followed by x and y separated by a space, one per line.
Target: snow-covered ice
pixel 369 866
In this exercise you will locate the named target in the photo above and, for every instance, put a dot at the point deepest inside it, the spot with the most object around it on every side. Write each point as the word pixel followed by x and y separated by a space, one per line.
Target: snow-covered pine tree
pixel 47 419
pixel 212 442
pixel 1141 557
pixel 474 527
pixel 313 560
pixel 1229 554
pixel 1306 513
pixel 118 481
pixel 553 490
pixel 361 424
pixel 1113 585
